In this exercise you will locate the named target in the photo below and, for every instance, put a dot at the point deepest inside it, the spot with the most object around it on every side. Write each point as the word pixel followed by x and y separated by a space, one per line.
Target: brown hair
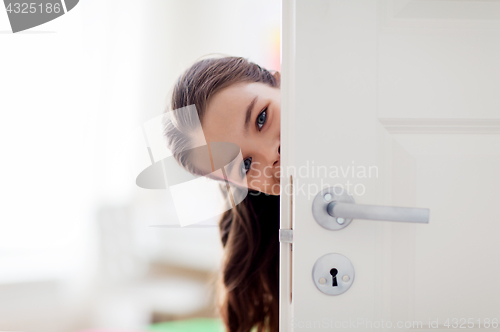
pixel 248 286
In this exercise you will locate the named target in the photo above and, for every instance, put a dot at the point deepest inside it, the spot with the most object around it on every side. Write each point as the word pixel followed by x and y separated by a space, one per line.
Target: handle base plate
pixel 320 203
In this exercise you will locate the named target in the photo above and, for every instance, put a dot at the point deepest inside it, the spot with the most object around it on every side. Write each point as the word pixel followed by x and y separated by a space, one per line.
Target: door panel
pixel 398 101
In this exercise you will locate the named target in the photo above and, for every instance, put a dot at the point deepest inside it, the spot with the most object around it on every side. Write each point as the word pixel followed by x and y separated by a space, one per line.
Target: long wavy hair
pixel 248 285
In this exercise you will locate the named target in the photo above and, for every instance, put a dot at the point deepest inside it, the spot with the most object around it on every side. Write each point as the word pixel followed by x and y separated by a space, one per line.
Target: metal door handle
pixel 375 212
pixel 334 210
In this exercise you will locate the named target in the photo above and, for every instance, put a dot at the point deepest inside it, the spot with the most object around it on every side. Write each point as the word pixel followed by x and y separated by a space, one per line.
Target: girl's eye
pixel 246 166
pixel 261 119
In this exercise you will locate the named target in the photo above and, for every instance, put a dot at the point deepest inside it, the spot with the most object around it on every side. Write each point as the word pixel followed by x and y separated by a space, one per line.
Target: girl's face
pixel 248 114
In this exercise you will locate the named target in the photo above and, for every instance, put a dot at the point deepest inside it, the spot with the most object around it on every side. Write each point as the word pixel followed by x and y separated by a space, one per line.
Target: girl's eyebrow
pixel 249 114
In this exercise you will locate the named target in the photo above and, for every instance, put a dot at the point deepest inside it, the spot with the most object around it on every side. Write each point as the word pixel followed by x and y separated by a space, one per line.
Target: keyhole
pixel 334 272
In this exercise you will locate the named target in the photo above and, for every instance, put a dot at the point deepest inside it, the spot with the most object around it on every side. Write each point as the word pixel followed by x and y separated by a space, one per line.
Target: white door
pixel 400 102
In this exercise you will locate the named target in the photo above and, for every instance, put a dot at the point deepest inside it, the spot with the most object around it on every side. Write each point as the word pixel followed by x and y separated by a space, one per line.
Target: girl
pixel 238 101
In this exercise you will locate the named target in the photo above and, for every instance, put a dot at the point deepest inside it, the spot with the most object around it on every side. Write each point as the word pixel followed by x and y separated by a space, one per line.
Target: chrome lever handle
pixel 375 212
pixel 333 208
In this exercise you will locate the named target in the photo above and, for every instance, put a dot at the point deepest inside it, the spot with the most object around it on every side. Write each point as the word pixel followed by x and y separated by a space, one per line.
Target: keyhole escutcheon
pixel 334 272
pixel 341 270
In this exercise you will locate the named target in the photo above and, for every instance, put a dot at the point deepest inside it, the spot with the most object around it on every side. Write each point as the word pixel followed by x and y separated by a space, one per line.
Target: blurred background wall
pixel 81 246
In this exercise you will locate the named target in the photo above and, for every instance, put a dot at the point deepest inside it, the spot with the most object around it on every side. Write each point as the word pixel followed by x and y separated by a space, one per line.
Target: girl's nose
pixel 278 156
pixel 270 154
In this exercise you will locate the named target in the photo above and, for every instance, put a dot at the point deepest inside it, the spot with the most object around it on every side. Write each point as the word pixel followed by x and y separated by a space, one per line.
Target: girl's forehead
pixel 225 114
pixel 239 93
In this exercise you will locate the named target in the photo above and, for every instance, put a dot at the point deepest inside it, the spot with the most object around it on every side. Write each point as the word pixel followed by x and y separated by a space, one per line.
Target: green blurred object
pixel 189 325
